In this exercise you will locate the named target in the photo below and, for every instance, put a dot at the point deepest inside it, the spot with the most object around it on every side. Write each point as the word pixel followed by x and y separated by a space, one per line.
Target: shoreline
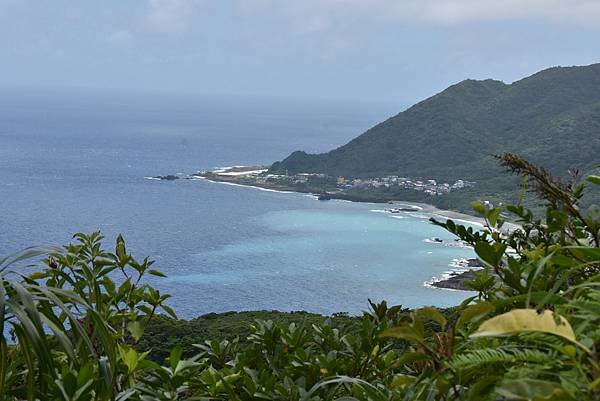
pixel 425 207
pixel 460 270
pixel 453 279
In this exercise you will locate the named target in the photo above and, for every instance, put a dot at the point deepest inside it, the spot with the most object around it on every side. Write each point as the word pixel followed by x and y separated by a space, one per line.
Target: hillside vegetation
pixel 552 118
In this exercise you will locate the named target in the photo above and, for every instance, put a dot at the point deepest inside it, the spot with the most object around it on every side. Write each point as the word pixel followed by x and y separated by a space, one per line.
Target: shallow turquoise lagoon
pixel 329 257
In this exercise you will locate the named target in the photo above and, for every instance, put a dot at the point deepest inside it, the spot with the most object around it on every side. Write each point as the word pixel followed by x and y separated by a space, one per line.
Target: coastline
pixel 237 179
pixel 460 271
pixel 453 279
pixel 424 207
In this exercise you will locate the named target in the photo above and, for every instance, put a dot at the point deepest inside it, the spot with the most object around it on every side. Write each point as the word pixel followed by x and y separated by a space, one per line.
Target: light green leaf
pixel 527 320
pixel 594 179
pixel 478 207
pixel 493 216
pixel 534 390
pixel 129 357
pixel 473 311
pixel 175 356
pixel 404 332
pixel 400 381
pixel 136 329
pixel 432 314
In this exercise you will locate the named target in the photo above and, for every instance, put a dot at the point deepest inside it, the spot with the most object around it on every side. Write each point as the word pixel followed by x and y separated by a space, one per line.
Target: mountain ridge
pixel 551 117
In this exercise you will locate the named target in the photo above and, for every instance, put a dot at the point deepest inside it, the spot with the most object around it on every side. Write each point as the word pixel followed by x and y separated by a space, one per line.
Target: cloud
pixel 177 17
pixel 169 17
pixel 447 11
pixel 121 36
pixel 457 11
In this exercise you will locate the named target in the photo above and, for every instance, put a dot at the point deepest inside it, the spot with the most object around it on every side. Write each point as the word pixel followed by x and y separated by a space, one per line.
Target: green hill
pixel 551 118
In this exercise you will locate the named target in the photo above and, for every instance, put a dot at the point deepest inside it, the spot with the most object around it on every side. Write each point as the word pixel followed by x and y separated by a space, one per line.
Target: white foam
pixel 152 178
pixel 240 173
pixel 419 215
pixel 429 284
pixel 471 222
pixel 408 206
pixel 250 186
pixel 458 244
pixel 457 266
pixel 218 170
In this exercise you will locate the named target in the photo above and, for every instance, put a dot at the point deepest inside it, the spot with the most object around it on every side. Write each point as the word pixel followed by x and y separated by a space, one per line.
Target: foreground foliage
pixel 75 329
pixel 163 333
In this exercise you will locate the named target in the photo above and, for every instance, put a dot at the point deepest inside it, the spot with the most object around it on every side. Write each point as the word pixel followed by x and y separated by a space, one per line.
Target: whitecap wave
pixel 470 222
pixel 418 215
pixel 407 205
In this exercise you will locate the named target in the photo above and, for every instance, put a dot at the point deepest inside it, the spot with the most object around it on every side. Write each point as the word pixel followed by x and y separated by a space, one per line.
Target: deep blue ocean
pixel 75 161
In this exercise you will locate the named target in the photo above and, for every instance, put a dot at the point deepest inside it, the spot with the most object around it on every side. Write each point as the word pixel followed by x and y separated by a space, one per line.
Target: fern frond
pixel 477 358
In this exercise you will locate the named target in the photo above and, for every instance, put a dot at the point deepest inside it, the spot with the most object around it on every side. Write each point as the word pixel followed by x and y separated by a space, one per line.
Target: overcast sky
pixel 398 50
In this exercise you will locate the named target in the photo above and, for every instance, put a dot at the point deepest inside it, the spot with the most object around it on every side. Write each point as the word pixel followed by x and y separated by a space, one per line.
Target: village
pixel 428 187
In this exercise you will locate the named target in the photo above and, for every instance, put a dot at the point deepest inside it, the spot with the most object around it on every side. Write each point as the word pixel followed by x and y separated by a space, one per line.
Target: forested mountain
pixel 552 118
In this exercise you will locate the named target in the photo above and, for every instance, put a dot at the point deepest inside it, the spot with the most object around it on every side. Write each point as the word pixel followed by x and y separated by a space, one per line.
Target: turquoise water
pixel 329 257
pixel 72 162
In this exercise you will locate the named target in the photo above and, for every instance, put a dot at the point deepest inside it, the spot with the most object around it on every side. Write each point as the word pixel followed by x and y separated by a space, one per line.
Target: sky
pixel 389 50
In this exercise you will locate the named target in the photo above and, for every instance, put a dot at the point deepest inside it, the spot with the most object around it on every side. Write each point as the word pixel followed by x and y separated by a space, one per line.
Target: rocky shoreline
pixel 456 280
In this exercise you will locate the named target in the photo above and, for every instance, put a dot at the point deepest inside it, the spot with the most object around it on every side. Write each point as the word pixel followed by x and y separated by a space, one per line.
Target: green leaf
pixel 120 247
pixel 135 329
pixel 410 357
pixel 175 356
pixel 156 273
pixel 586 253
pixel 594 179
pixel 472 312
pixel 169 310
pixel 527 320
pixel 85 374
pixel 478 207
pixel 490 254
pixel 532 389
pixel 404 332
pixel 432 314
pixel 129 357
pixel 38 275
pixel 493 216
pixel 401 381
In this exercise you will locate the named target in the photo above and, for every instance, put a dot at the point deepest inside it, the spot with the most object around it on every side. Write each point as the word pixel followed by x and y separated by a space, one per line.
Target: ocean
pixel 75 161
